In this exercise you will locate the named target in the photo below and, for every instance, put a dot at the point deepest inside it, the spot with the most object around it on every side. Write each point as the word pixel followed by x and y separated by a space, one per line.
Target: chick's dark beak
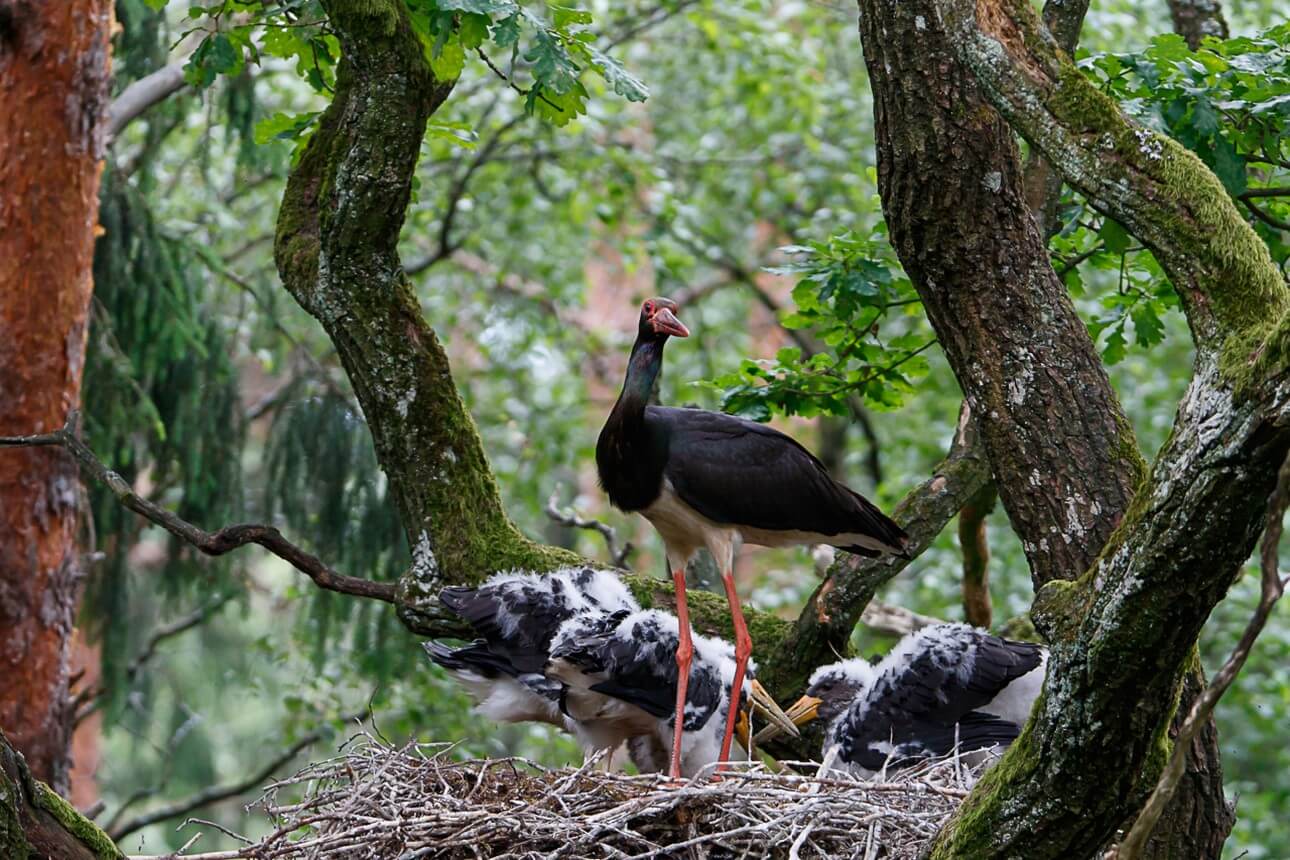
pixel 665 322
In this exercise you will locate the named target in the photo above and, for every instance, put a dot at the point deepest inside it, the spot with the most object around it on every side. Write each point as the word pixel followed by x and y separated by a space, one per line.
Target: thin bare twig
pixel 216 793
pixel 217 543
pixel 1273 586
pixel 569 517
pixel 1265 216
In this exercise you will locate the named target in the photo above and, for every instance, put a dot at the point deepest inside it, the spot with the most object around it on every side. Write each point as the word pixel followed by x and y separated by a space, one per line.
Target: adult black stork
pixel 705 479
pixel 945 685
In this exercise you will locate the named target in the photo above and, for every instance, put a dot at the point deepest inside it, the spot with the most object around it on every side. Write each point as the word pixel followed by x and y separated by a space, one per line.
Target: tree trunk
pixel 53 98
pixel 933 146
pixel 37 824
pixel 1123 635
pixel 1063 454
pixel 1196 19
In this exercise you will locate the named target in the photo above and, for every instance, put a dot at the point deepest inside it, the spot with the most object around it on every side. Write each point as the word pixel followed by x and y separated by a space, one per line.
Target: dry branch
pixel 225 540
pixel 618 555
pixel 216 793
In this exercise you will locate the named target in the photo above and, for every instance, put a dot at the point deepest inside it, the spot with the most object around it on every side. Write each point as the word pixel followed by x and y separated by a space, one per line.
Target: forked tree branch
pixel 618 555
pixel 216 543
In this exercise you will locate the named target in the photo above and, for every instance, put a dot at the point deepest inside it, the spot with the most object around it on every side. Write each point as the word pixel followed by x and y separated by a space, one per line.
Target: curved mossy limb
pixel 35 822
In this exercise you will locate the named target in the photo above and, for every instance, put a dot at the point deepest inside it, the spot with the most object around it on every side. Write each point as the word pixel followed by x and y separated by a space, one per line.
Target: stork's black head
pixel 659 322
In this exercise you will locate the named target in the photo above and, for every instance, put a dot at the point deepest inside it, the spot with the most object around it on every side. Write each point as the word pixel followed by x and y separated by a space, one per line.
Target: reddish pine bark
pixel 54 61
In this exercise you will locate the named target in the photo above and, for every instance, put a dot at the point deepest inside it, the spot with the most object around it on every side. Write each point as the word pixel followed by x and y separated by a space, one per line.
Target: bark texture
pixel 1123 635
pixel 53 97
pixel 1196 19
pixel 1063 454
pixel 37 824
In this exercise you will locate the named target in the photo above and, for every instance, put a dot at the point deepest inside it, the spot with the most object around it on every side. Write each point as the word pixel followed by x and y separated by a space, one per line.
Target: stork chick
pixel 621 674
pixel 516 616
pixel 945 685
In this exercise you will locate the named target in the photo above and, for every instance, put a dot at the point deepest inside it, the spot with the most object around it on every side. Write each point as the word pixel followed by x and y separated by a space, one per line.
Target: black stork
pixel 705 479
pixel 944 686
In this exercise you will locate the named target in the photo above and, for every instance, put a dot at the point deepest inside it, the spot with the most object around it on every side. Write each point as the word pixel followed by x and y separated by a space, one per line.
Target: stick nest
pixel 378 802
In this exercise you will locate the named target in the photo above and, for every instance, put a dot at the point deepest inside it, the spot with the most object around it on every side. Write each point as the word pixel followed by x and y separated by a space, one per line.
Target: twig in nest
pixel 379 802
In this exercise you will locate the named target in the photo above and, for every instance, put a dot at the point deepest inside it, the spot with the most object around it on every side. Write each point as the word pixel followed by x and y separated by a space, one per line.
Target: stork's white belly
pixel 685 531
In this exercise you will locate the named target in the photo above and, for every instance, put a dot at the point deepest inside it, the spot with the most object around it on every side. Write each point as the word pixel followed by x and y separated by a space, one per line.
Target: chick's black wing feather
pixel 739 472
pixel 638 666
pixel 911 741
pixel 516 618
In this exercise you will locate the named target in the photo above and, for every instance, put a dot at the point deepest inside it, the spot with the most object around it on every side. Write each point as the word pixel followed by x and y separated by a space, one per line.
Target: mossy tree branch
pixel 336 250
pixel 1124 633
pixel 36 822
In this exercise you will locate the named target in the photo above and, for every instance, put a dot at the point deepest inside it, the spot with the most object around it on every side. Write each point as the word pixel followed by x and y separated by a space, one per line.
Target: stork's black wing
pixel 743 473
pixel 944 673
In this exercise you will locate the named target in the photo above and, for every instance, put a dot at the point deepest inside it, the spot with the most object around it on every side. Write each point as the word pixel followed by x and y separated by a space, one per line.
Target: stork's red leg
pixel 743 650
pixel 684 656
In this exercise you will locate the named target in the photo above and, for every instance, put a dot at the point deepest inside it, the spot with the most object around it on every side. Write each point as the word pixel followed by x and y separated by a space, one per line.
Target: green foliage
pixel 853 299
pixel 1229 102
pixel 323 483
pixel 550 56
pixel 161 398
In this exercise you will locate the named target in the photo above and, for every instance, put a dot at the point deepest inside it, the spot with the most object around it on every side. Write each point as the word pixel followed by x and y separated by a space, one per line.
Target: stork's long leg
pixel 684 656
pixel 743 650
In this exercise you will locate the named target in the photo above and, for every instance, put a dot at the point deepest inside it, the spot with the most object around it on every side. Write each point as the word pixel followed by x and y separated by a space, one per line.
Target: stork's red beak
pixel 665 322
